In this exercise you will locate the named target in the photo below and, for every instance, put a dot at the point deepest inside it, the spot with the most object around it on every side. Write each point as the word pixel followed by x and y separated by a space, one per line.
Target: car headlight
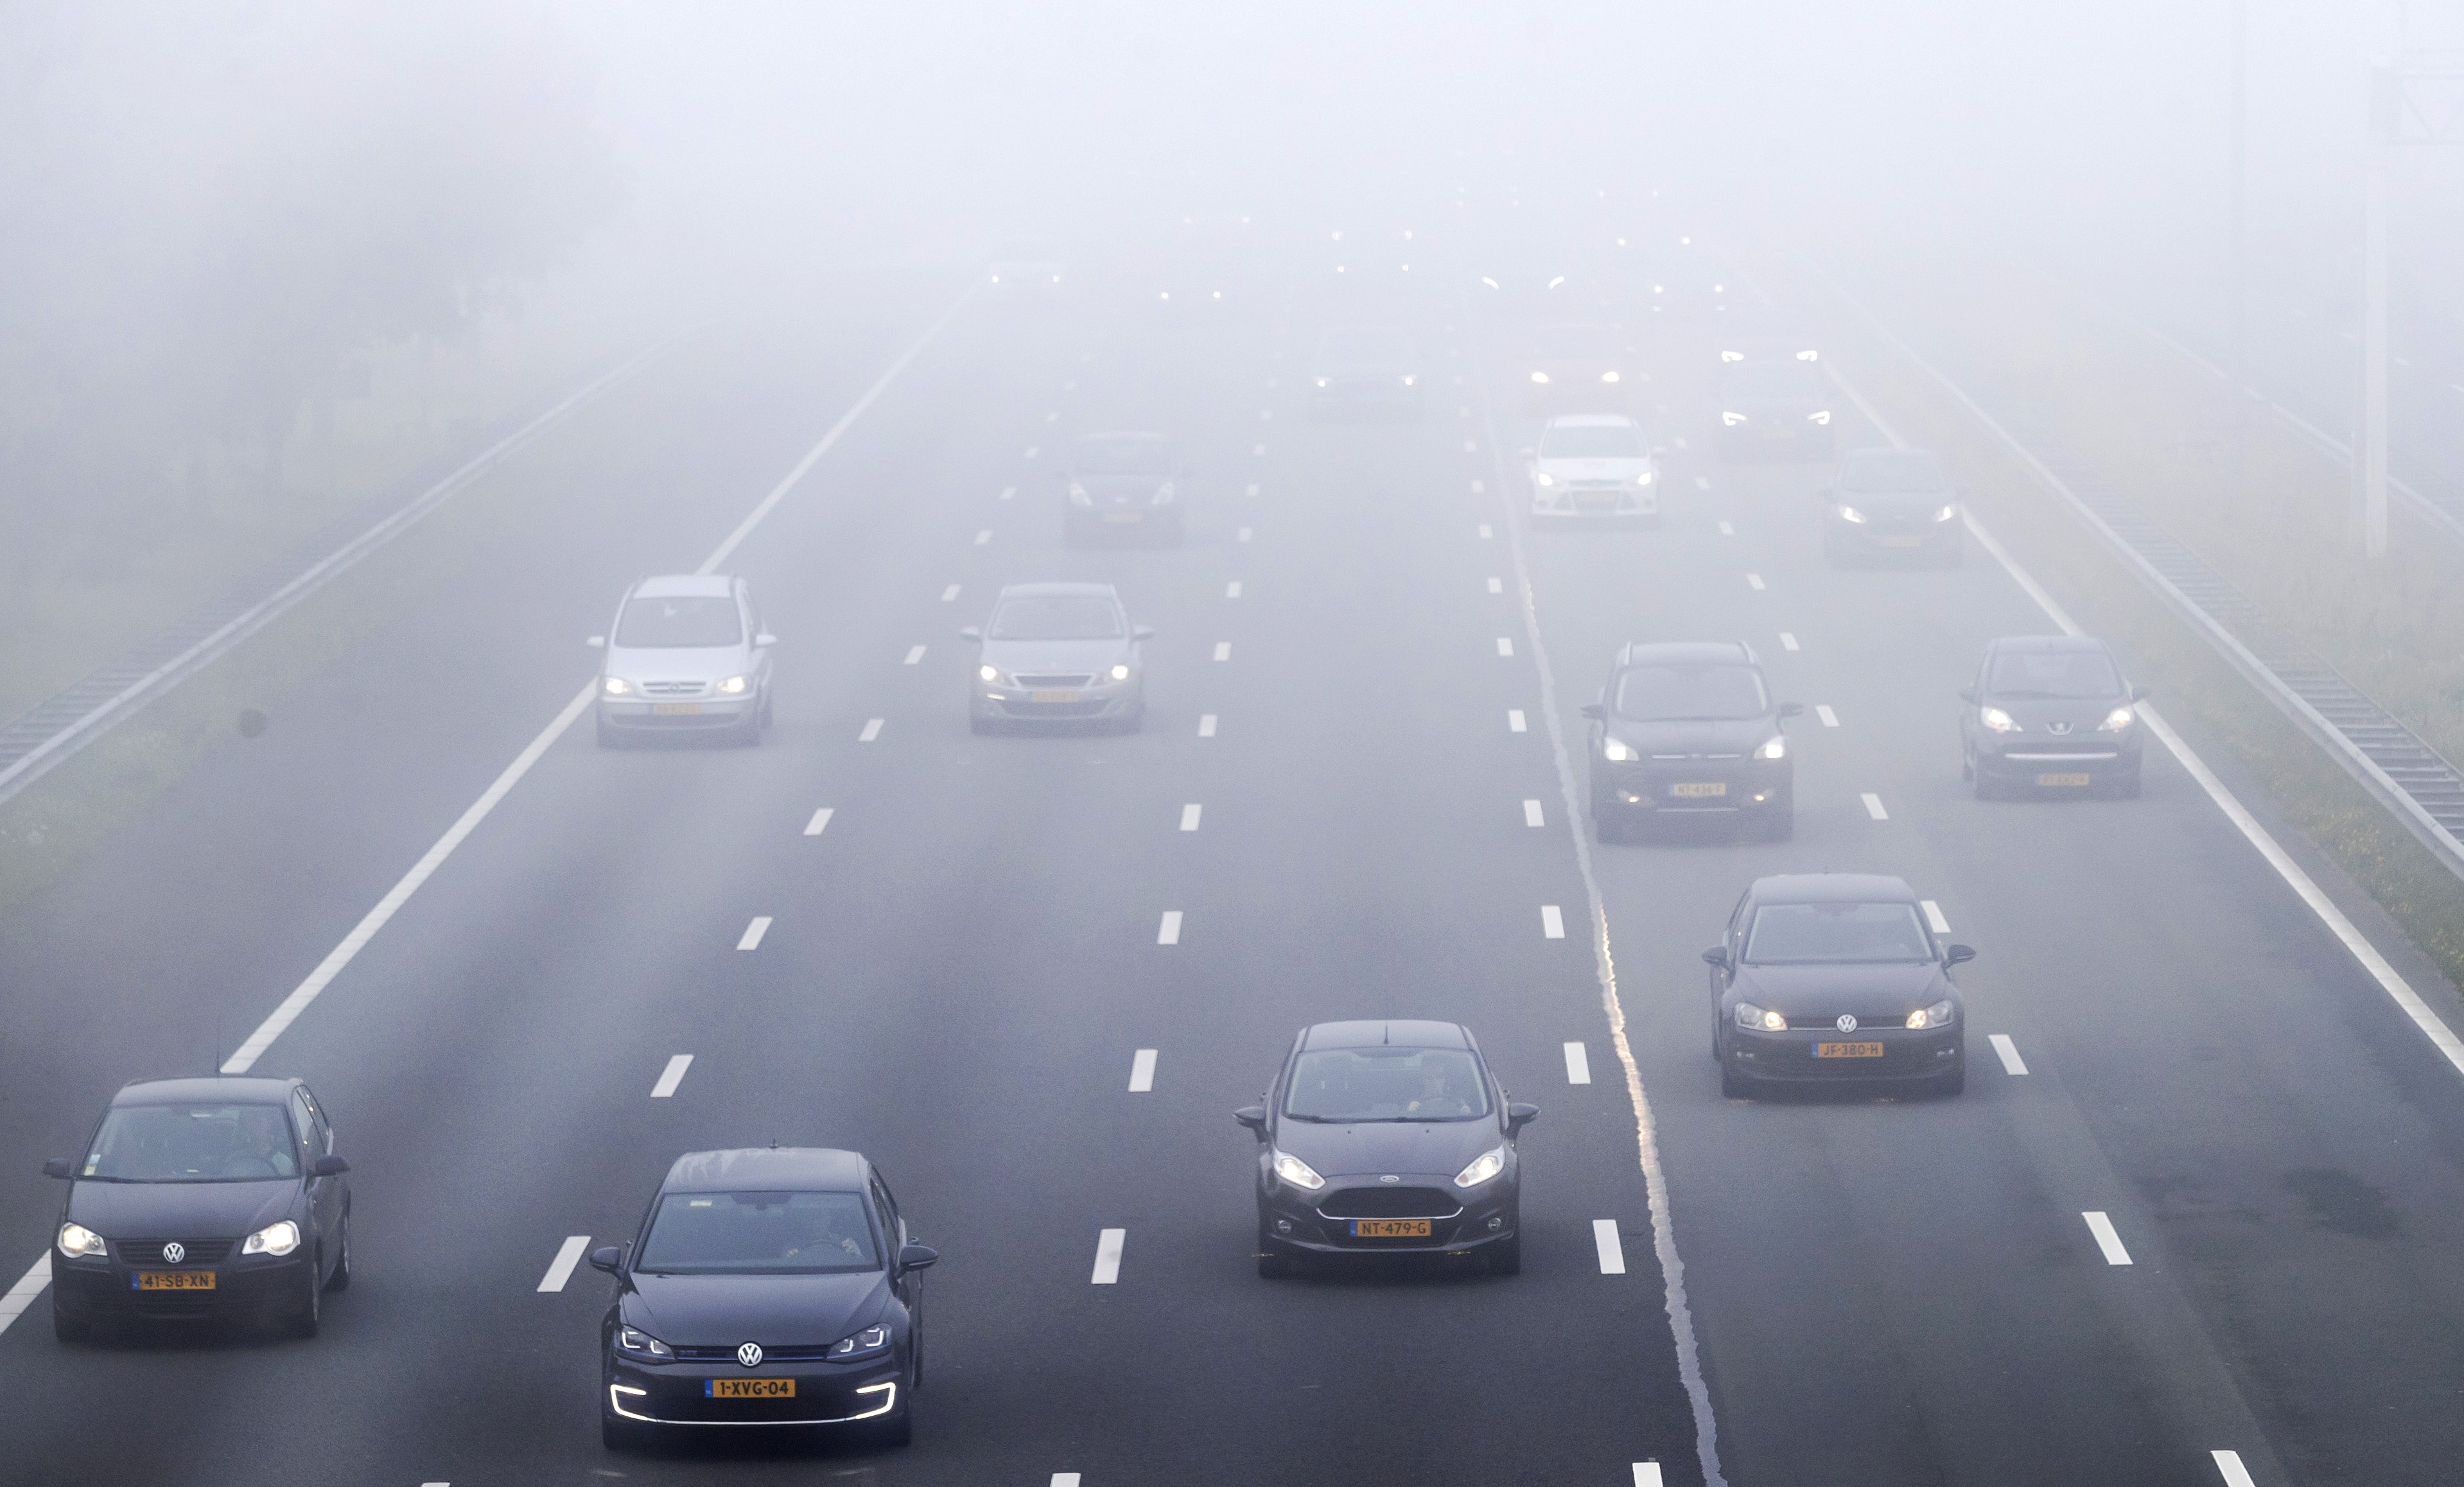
pixel 1644 479
pixel 1539 377
pixel 1760 1019
pixel 1948 512
pixel 1732 420
pixel 1121 671
pixel 1078 495
pixel 1163 492
pixel 1617 751
pixel 1851 514
pixel 1996 719
pixel 1540 477
pixel 1483 1167
pixel 1938 1014
pixel 279 1238
pixel 1808 356
pixel 1608 377
pixel 1821 417
pixel 2117 720
pixel 1732 355
pixel 875 1339
pixel 615 687
pixel 78 1239
pixel 1326 382
pixel 1299 1173
pixel 641 1344
pixel 988 672
pixel 1774 747
pixel 1410 380
pixel 734 686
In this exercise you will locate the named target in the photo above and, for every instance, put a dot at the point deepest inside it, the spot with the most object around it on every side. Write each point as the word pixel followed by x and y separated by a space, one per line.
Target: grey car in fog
pixel 1058 653
pixel 1122 485
pixel 686 656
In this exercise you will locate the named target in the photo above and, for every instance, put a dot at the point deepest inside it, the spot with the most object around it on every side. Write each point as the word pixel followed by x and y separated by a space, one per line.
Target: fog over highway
pixel 938 581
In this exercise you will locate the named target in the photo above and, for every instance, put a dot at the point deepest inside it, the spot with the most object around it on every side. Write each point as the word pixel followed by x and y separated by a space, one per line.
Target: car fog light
pixel 1283 1226
pixel 1496 1221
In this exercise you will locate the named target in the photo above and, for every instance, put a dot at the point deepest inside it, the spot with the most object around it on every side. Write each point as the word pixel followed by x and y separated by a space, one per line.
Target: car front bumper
pixel 1792 1057
pixel 1064 705
pixel 684 716
pixel 1462 1222
pixel 1678 787
pixel 2067 763
pixel 1875 538
pixel 678 1393
pixel 249 1289
pixel 1595 502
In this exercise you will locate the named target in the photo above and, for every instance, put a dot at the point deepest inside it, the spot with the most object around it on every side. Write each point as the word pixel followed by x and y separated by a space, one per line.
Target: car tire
pixel 765 707
pixel 1945 1087
pixel 622 1434
pixel 1273 1262
pixel 1506 1256
pixel 748 733
pixel 898 1429
pixel 608 737
pixel 68 1329
pixel 1986 788
pixel 341 1278
pixel 1734 1085
pixel 308 1314
pixel 1967 768
pixel 1719 1028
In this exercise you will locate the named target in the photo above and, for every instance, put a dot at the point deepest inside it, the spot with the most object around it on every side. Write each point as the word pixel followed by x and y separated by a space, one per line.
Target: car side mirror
pixel 607 1258
pixel 1253 1116
pixel 917 1256
pixel 329 1166
pixel 1791 710
pixel 1967 695
pixel 971 632
pixel 1957 954
pixel 1716 956
pixel 1594 709
pixel 2139 694
pixel 765 638
pixel 1519 1114
pixel 597 642
pixel 58 1166
pixel 1142 632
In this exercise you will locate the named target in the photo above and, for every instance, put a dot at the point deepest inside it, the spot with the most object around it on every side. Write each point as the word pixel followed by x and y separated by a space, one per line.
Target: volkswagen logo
pixel 175 1252
pixel 1847 1022
pixel 749 1355
pixel 1390 1177
pixel 2057 727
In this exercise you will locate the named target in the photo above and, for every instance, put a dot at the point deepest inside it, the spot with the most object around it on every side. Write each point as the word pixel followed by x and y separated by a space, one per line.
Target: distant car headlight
pixel 1821 417
pixel 1760 1019
pixel 1776 747
pixel 1996 719
pixel 734 686
pixel 1808 356
pixel 1540 477
pixel 615 687
pixel 78 1239
pixel 279 1238
pixel 1326 382
pixel 2117 720
pixel 875 1339
pixel 1299 1173
pixel 1163 492
pixel 988 672
pixel 1617 751
pixel 1732 355
pixel 1539 377
pixel 1121 671
pixel 1851 514
pixel 1939 1014
pixel 1410 380
pixel 1078 495
pixel 1645 478
pixel 1732 420
pixel 1483 1167
pixel 1948 512
pixel 1608 377
pixel 641 1344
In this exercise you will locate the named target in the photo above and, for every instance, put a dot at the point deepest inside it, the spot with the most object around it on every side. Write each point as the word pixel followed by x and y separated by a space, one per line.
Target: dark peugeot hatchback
pixel 1833 978
pixel 1689 729
pixel 1381 1138
pixel 201 1200
pixel 766 1287
pixel 2050 713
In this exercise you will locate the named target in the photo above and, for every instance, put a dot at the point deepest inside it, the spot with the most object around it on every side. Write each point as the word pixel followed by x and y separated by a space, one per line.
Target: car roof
pixel 1644 652
pixel 686 585
pixel 2074 643
pixel 1397 1031
pixel 1590 421
pixel 234 1090
pixel 1014 590
pixel 816 1168
pixel 1830 887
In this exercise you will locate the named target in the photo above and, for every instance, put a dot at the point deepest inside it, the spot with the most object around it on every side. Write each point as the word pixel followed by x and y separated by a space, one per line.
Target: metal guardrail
pixel 35 741
pixel 2410 779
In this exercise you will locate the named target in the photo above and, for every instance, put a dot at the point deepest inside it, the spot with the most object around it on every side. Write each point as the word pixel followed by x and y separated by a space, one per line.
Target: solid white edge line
pixel 1142 1071
pixel 1533 816
pixel 568 1255
pixel 1655 1176
pixel 28 1286
pixel 1552 922
pixel 1934 916
pixel 1168 932
pixel 2106 1239
pixel 1604 1238
pixel 2229 1466
pixel 1107 1256
pixel 820 821
pixel 1578 1064
pixel 2008 1051
pixel 2398 990
pixel 751 939
pixel 672 1076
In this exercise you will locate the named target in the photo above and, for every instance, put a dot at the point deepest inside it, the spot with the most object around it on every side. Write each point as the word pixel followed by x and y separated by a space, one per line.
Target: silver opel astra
pixel 687 655
pixel 1057 652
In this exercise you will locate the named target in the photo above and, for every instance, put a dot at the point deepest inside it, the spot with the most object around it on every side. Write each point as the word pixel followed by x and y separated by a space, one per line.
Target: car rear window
pixel 1836 933
pixel 1345 1085
pixel 1592 442
pixel 1056 617
pixel 680 620
pixel 194 1143
pixel 1706 692
pixel 2053 674
pixel 748 1233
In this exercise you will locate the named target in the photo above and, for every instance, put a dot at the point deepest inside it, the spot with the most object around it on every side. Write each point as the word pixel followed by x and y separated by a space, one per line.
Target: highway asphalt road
pixel 959 969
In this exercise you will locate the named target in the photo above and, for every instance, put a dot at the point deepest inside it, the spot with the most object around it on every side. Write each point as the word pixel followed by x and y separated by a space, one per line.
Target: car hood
pixel 1093 657
pixel 1690 737
pixel 679 662
pixel 2045 716
pixel 182 1209
pixel 1884 993
pixel 1120 490
pixel 1593 470
pixel 776 1311
pixel 1426 1147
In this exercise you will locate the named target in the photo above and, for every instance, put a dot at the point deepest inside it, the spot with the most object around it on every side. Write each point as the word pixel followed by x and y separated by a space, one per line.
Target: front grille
pixel 674 688
pixel 150 1252
pixel 769 1355
pixel 1389 1203
pixel 1051 679
pixel 1053 710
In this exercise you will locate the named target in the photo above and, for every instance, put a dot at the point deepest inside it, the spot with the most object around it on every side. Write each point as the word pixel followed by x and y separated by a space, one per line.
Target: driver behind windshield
pixel 173 1143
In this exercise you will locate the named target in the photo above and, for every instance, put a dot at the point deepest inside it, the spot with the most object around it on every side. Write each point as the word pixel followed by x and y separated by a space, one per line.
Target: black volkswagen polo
pixel 766 1287
pixel 201 1200
pixel 1833 978
pixel 1689 729
pixel 1387 1137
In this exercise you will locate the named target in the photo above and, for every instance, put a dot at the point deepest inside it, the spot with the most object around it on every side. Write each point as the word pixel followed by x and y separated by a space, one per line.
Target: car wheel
pixel 622 1434
pixel 1719 1028
pixel 341 1278
pixel 1732 1085
pixel 765 707
pixel 1506 1256
pixel 309 1312
pixel 1273 1262
pixel 68 1329
pixel 1608 829
pixel 608 737
pixel 1950 1083
pixel 1967 768
pixel 748 733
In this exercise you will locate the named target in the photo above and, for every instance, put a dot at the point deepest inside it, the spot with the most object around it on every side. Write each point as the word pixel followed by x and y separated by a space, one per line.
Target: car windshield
pixel 1592 442
pixel 1913 472
pixel 1835 932
pixel 1698 693
pixel 1056 617
pixel 678 620
pixel 194 1143
pixel 1343 1085
pixel 1122 457
pixel 1773 380
pixel 2052 673
pixel 759 1233
pixel 1572 344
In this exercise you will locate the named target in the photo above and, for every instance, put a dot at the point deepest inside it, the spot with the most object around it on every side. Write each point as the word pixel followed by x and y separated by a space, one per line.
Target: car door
pixel 325 1194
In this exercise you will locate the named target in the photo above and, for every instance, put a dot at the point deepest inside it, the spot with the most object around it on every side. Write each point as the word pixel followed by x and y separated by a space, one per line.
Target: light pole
pixel 2414 99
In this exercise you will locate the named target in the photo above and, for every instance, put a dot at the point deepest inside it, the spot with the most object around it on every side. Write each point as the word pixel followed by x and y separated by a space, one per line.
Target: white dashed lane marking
pixel 1252 491
pixel 2008 1051
pixel 949 595
pixel 1727 531
pixel 1189 817
pixel 1604 1238
pixel 1008 492
pixel 1934 916
pixel 568 1255
pixel 751 938
pixel 1245 534
pixel 1552 922
pixel 1032 452
pixel 983 536
pixel 1070 1479
pixel 1485 533
pixel 1829 719
pixel 1505 646
pixel 1478 488
pixel 1222 651
pixel 2229 1462
pixel 1206 725
pixel 1646 1473
pixel 1142 1072
pixel 1497 585
pixel 872 731
pixel 1786 641
pixel 1232 590
pixel 1700 484
pixel 914 653
pixel 2107 1239
pixel 1755 581
pixel 1514 720
pixel 1260 450
pixel 1107 1256
pixel 1873 806
pixel 1169 932
pixel 820 821
pixel 1531 816
pixel 1578 1064
pixel 672 1076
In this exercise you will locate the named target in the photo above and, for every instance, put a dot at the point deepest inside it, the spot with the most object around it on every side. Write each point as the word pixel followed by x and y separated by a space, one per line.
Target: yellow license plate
pixel 2062 780
pixel 675 708
pixel 1125 515
pixel 1902 541
pixel 748 1388
pixel 1847 1050
pixel 1389 1228
pixel 1055 696
pixel 1699 791
pixel 172 1281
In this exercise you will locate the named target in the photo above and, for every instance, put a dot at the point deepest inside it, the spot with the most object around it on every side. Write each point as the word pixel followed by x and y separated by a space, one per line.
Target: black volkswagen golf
pixel 202 1199
pixel 1381 1138
pixel 766 1287
pixel 1833 978
pixel 1690 729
